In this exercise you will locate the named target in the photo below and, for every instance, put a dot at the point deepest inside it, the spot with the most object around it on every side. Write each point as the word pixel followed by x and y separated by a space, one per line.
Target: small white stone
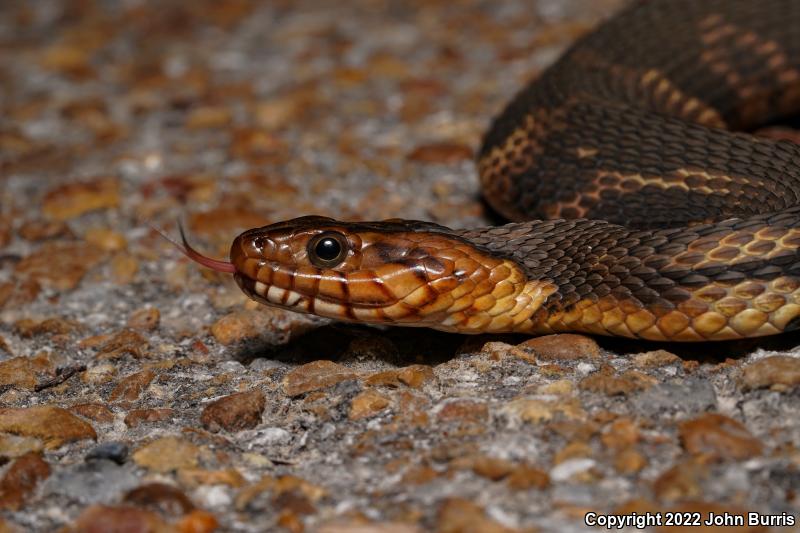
pixel 570 467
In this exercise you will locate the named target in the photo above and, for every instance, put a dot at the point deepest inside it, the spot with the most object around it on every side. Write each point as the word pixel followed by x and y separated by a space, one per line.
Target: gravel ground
pixel 141 393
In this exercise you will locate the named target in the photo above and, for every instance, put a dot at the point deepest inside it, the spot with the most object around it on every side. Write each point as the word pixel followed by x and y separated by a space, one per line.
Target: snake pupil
pixel 328 249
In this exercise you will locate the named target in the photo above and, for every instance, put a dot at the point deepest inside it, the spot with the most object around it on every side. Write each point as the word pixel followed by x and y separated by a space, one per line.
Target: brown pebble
pixel 235 412
pixel 573 450
pixel 25 372
pixel 420 475
pixel 131 387
pixel 75 260
pixel 492 468
pixel 535 411
pixel 681 482
pixel 525 477
pixel 106 239
pixel 118 519
pixel 124 267
pixel 123 342
pixel 606 382
pixel 315 376
pixel 465 410
pixel 21 479
pixel 145 319
pixel 367 404
pixel 74 199
pixel 165 499
pixel 444 153
pixel 138 416
pixel 94 411
pixel 655 359
pixel 562 347
pixel 167 454
pixel 241 325
pixel 194 477
pixel 19 292
pixel 27 327
pixel 779 372
pixel 621 433
pixel 414 376
pixel 719 437
pixel 629 461
pixel 56 426
pixel 40 230
pixel 457 515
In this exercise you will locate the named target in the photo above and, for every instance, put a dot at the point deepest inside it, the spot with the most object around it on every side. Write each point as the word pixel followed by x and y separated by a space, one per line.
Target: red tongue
pixel 197 257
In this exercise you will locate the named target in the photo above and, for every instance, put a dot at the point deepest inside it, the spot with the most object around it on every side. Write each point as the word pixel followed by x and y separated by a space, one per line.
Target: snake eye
pixel 327 249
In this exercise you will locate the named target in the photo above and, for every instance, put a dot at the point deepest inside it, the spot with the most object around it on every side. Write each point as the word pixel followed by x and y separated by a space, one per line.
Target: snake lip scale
pixel 640 206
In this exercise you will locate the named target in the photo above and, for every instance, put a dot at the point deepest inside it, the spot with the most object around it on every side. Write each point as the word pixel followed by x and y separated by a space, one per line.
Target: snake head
pixel 392 272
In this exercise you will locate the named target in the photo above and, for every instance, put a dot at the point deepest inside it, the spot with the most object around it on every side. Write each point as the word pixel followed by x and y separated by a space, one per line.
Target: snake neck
pixel 732 279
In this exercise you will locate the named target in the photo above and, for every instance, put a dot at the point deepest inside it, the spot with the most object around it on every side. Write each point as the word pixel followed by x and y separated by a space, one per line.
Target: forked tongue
pixel 187 250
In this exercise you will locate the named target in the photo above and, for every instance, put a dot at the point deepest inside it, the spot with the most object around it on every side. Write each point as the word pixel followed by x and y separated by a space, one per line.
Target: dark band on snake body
pixel 628 142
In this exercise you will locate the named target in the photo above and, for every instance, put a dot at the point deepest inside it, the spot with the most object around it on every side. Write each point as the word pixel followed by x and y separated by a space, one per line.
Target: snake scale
pixel 642 207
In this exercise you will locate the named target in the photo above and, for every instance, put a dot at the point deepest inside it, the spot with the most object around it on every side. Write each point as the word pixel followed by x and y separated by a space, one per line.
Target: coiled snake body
pixel 626 145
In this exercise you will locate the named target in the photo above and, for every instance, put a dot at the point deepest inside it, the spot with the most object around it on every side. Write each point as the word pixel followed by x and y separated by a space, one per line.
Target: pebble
pixel 414 376
pixel 719 437
pixel 24 372
pixel 129 388
pixel 562 347
pixel 54 425
pixel 655 359
pixel 75 260
pixel 96 412
pixel 241 325
pixel 570 468
pixel 72 200
pixel 113 519
pixel 458 515
pixel 145 319
pixel 235 412
pixel 492 468
pixel 779 372
pixel 167 454
pixel 194 477
pixel 462 410
pixel 165 499
pixel 525 477
pixel 106 239
pixel 122 343
pixel 367 404
pixel 680 482
pixel 606 381
pixel 139 416
pixel 315 376
pixel 21 479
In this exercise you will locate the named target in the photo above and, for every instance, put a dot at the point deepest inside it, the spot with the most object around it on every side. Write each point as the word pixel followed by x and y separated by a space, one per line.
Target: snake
pixel 641 203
